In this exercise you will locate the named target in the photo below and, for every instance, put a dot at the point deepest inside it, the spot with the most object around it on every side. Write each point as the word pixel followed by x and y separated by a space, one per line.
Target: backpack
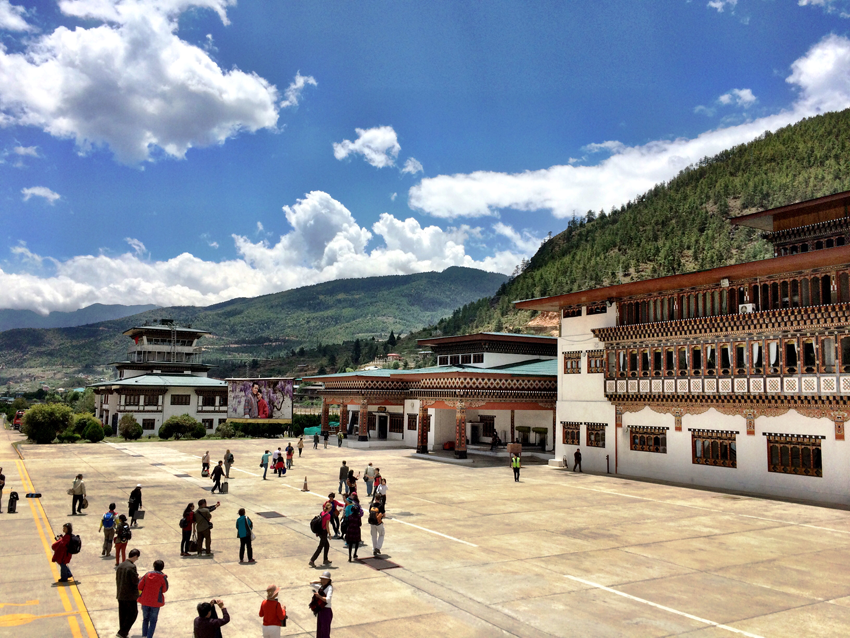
pixel 232 460
pixel 373 515
pixel 108 520
pixel 316 525
pixel 124 533
pixel 183 522
pixel 75 544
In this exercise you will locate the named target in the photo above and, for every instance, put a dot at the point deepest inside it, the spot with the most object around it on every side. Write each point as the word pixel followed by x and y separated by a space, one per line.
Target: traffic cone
pixel 305 488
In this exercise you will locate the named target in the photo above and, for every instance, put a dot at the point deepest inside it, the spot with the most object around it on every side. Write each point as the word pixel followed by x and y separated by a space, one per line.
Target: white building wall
pixel 495 359
pixel 410 407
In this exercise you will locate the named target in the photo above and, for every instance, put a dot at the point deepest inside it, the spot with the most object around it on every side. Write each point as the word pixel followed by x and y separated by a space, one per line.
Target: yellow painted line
pixel 40 516
pixel 15 620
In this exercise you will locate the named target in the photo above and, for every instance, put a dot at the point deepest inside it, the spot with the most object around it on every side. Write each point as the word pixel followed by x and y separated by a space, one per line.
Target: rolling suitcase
pixel 224 488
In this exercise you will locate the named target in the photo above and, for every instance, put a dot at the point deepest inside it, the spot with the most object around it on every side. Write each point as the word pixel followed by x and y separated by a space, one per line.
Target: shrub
pixel 225 431
pixel 129 428
pixel 68 436
pixel 199 431
pixel 42 422
pixel 259 429
pixel 178 426
pixel 93 432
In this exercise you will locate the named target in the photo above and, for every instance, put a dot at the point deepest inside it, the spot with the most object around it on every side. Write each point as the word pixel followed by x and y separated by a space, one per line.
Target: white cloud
pixel 841 7
pixel 12 17
pixel 212 244
pixel 325 243
pixel 393 196
pixel 260 228
pixel 412 166
pixel 525 241
pixel 720 5
pixel 379 146
pixel 738 97
pixel 611 146
pixel 40 191
pixel 31 151
pixel 130 83
pixel 821 79
pixel 293 91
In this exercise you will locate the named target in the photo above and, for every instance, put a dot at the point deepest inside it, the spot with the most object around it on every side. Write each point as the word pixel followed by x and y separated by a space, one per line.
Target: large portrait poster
pixel 259 398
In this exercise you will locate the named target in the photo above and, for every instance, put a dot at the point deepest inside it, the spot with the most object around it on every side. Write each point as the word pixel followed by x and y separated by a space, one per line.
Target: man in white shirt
pixel 275 457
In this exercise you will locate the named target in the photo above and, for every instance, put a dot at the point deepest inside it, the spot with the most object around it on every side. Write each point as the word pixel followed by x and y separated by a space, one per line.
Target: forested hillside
pixel 680 226
pixel 271 325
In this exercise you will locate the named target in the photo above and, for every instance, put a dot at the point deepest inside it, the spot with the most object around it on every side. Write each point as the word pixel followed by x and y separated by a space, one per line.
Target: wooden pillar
pixel 422 429
pixel 343 416
pixel 513 432
pixel 460 430
pixel 364 420
pixel 326 407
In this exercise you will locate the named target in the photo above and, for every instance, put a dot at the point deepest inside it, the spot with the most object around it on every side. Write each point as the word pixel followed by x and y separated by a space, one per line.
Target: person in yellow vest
pixel 516 464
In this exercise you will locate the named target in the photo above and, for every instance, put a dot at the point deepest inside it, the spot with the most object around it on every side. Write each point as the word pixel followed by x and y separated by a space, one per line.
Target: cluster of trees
pixel 45 422
pixel 679 226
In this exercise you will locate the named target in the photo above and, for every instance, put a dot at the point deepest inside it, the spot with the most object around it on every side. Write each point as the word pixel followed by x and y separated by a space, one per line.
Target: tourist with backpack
pixel 135 503
pixel 376 521
pixel 64 548
pixel 352 524
pixel 319 526
pixel 187 525
pixel 335 506
pixel 290 452
pixel 127 585
pixel 123 534
pixel 152 588
pixel 228 461
pixel 107 524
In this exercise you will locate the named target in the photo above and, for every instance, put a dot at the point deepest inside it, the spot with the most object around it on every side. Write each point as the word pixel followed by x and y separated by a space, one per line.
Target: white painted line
pixel 430 531
pixel 292 487
pixel 663 607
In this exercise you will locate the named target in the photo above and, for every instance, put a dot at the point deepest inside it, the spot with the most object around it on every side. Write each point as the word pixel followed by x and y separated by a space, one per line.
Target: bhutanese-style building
pixel 483 383
pixel 163 376
pixel 736 377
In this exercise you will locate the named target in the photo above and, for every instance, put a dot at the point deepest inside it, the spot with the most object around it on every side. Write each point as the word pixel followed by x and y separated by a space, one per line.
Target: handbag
pixel 192 545
pixel 85 502
pixel 253 536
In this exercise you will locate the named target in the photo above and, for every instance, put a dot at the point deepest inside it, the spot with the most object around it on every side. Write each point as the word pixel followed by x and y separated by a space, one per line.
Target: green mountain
pixel 268 326
pixel 11 319
pixel 677 227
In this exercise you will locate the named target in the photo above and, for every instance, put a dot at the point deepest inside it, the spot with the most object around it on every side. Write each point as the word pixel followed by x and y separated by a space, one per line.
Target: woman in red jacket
pixel 152 588
pixel 273 613
pixel 61 555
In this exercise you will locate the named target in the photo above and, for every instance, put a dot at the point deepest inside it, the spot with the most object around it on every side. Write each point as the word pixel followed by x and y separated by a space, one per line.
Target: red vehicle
pixel 19 417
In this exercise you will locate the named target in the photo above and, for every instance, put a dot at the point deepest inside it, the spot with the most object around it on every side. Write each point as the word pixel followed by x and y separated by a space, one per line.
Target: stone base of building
pixel 374 444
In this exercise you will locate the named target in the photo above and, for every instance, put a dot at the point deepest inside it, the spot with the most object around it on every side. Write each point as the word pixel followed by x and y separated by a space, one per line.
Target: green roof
pixel 160 380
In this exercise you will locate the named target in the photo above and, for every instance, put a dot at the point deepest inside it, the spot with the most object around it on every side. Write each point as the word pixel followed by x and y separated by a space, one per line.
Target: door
pixel 382 426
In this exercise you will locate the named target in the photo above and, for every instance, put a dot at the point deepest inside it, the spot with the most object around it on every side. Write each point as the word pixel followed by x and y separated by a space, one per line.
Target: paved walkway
pixel 558 554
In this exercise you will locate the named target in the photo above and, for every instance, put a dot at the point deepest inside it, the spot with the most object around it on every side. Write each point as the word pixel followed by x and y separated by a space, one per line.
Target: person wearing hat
pixel 135 503
pixel 272 613
pixel 323 590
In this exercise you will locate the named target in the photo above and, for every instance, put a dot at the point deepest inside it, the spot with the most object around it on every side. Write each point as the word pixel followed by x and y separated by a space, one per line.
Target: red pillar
pixel 364 421
pixel 325 415
pixel 513 432
pixel 343 416
pixel 422 432
pixel 460 430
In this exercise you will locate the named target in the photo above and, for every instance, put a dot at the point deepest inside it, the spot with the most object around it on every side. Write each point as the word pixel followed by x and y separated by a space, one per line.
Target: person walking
pixel 78 492
pixel 516 464
pixel 381 491
pixel 61 553
pixel 107 524
pixel 134 504
pixel 127 584
pixel 376 521
pixel 203 526
pixel 335 510
pixel 369 477
pixel 275 456
pixel 577 457
pixel 290 452
pixel 351 482
pixel 244 530
pixel 300 445
pixel 152 588
pixel 187 526
pixel 264 463
pixel 207 625
pixel 339 437
pixel 2 485
pixel 322 600
pixel 123 534
pixel 279 468
pixel 353 514
pixel 343 475
pixel 217 473
pixel 272 613
pixel 228 461
pixel 205 464
pixel 316 441
pixel 323 536
pixel 327 435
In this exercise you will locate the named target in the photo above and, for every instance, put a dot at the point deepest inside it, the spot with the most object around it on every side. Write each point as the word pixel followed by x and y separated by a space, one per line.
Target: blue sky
pixel 192 151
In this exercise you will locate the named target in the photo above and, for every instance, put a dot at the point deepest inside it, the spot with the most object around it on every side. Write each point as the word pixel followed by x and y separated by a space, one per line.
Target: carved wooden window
pixel 148 424
pixel 633 363
pixel 181 399
pixel 572 362
pixel 442 361
pixel 774 296
pixel 488 425
pixel 827 355
pixel 683 361
pixel 843 288
pixel 696 360
pixel 710 359
pixel 595 434
pixel 657 362
pixel 825 290
pixel 712 447
pixel 372 421
pixel 772 354
pixel 795 294
pixel 621 363
pixel 396 424
pixel 725 358
pixel 207 423
pixel 844 345
pixel 648 439
pixel 784 295
pixel 208 401
pixel 805 297
pixel 612 364
pixel 596 308
pixel 571 432
pixel 454 359
pixel 809 362
pixel 465 359
pixel 793 454
pixel 595 361
pixel 571 311
pixel 756 357
pixel 645 366
pixel 669 362
pixel 412 421
pixel 792 358
pixel 478 357
pixel 131 399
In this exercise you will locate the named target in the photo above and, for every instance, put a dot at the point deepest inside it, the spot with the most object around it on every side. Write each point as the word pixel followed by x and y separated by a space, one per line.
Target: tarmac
pixel 477 554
